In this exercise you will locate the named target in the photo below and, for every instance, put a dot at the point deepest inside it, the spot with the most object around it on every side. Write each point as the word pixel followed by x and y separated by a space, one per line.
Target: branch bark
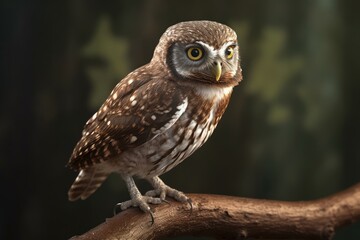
pixel 227 217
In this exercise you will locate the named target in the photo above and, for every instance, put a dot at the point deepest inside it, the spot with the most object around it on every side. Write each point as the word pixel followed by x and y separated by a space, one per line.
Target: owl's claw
pixel 190 203
pixel 116 208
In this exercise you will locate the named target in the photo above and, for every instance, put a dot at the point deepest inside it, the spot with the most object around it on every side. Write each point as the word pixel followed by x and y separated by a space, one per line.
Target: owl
pixel 160 113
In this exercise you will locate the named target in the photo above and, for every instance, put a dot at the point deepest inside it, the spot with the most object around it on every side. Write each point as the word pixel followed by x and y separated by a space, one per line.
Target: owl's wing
pixel 135 112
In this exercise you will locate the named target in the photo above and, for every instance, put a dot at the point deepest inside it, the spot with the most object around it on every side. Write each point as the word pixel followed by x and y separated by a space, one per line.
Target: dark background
pixel 291 131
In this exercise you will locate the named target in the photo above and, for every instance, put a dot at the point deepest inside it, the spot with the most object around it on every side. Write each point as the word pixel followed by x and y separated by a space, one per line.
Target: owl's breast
pixel 186 135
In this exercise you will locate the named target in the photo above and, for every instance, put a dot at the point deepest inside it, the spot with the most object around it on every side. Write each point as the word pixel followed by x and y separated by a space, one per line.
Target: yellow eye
pixel 194 53
pixel 229 52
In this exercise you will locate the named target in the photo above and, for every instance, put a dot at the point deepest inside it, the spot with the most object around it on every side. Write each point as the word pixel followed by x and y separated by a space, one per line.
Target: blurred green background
pixel 291 131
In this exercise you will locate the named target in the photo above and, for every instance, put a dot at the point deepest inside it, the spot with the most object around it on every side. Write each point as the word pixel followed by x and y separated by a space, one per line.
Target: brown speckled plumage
pixel 159 114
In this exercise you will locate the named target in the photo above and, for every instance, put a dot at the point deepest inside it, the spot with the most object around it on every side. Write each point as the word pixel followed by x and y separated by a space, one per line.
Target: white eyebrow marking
pixel 206 46
pixel 215 52
pixel 211 51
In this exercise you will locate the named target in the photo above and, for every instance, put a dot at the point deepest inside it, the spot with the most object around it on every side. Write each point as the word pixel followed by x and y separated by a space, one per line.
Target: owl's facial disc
pixel 223 60
pixel 200 61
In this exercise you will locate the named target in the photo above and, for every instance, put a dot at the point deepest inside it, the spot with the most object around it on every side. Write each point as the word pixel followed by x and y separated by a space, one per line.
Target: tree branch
pixel 227 217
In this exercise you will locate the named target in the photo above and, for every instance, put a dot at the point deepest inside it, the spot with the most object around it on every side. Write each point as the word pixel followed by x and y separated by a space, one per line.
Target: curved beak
pixel 217 69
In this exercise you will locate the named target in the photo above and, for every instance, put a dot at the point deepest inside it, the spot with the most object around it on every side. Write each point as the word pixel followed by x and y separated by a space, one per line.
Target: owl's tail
pixel 86 183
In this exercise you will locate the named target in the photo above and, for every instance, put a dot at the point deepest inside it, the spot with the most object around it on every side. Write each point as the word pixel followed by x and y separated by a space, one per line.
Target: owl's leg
pixel 137 200
pixel 162 190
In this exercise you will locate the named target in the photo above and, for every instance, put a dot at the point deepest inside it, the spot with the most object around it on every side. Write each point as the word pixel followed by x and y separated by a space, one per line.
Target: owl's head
pixel 204 51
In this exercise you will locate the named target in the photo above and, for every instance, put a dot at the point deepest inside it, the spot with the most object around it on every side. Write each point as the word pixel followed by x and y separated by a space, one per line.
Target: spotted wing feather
pixel 136 111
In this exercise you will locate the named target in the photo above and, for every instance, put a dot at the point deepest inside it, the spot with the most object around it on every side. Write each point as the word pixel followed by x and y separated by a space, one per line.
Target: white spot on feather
pixel 133 139
pixel 94 116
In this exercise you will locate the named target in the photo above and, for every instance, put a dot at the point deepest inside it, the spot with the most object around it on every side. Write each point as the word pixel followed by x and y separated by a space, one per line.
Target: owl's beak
pixel 217 68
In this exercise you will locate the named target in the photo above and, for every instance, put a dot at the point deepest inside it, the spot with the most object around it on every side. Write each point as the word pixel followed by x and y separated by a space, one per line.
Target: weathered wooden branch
pixel 226 217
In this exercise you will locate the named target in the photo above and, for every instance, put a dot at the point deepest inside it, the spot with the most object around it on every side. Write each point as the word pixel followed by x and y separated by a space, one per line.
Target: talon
pixel 190 203
pixel 118 205
pixel 152 217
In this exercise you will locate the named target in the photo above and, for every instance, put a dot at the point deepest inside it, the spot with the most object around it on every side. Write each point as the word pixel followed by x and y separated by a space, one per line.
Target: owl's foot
pixel 137 200
pixel 142 202
pixel 162 190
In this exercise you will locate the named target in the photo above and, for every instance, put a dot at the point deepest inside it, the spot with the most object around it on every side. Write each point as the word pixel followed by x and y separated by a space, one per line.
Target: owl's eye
pixel 194 53
pixel 229 52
